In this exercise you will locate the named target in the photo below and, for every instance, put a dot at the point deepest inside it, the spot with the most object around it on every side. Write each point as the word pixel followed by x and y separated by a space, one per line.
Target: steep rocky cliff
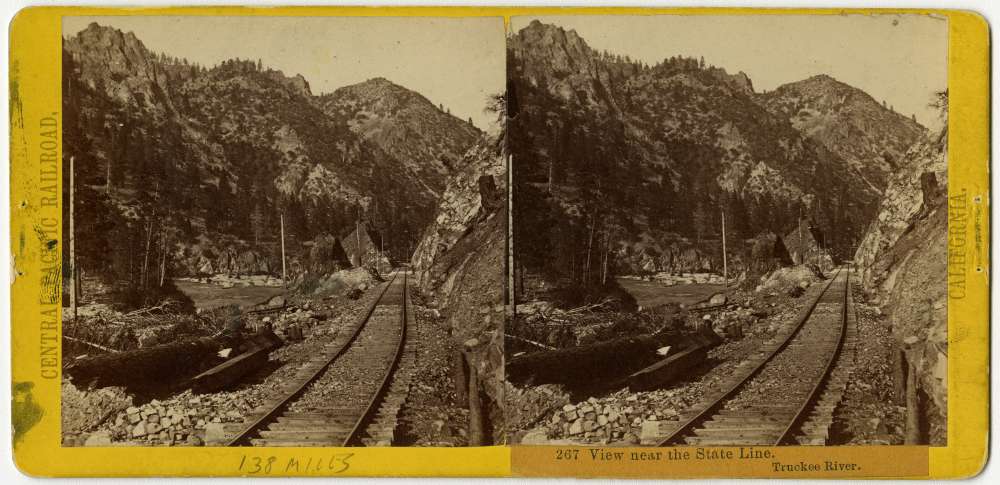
pixel 481 171
pixel 922 172
pixel 460 264
pixel 902 265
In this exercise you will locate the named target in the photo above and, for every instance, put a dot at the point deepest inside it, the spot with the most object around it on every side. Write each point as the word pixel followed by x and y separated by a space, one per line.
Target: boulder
pixel 215 434
pixel 99 438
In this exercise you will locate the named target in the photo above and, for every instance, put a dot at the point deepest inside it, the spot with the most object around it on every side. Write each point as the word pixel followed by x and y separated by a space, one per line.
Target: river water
pixel 207 296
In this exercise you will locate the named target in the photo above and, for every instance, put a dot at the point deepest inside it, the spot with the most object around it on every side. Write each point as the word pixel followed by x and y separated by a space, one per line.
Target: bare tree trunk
pixel 163 256
pixel 145 259
pixel 590 246
pixel 604 265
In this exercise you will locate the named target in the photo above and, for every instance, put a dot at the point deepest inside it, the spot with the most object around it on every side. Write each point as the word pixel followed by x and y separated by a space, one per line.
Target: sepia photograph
pixel 728 230
pixel 283 231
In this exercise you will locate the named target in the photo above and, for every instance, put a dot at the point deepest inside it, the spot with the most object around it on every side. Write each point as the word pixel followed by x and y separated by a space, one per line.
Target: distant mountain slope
pixel 870 136
pixel 616 156
pixel 165 149
pixel 428 141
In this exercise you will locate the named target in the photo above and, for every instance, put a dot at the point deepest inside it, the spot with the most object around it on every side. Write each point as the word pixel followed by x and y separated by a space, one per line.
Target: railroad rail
pixel 785 394
pixel 351 394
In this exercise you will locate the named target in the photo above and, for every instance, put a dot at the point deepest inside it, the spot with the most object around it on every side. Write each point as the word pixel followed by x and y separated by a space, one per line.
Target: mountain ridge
pixel 643 159
pixel 167 146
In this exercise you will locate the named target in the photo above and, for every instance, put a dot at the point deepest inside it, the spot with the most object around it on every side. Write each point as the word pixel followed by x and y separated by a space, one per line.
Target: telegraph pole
pixel 72 241
pixel 284 274
pixel 725 264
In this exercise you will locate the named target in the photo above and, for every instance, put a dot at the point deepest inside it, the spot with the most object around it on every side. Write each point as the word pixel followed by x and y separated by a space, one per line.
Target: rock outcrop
pixel 870 137
pixel 460 263
pixel 902 264
pixel 923 167
pixel 480 180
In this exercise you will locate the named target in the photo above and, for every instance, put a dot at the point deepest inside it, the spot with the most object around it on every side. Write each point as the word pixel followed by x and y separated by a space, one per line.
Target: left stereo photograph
pixel 283 231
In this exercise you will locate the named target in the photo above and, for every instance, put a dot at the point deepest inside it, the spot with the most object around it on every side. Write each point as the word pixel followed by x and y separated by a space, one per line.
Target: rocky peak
pixel 119 64
pixel 869 135
pixel 427 139
pixel 562 61
pixel 299 83
pixel 378 95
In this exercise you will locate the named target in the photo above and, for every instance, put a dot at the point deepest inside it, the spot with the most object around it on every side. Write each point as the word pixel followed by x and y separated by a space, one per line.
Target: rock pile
pixel 623 417
pixel 185 419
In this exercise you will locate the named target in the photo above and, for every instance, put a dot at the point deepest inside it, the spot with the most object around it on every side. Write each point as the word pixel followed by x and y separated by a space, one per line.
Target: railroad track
pixel 351 393
pixel 787 392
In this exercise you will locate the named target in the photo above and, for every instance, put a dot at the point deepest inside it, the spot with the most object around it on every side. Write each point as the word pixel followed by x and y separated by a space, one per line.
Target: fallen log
pixel 256 355
pixel 146 367
pixel 667 370
pixel 677 361
pixel 611 360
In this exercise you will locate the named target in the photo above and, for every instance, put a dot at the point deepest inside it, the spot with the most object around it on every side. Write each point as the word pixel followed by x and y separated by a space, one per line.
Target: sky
pixel 456 62
pixel 901 59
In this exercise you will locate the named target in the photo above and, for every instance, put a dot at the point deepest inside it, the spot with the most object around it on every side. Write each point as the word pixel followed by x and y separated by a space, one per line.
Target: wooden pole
pixel 357 237
pixel 72 241
pixel 284 274
pixel 476 428
pixel 801 249
pixel 913 412
pixel 511 287
pixel 725 262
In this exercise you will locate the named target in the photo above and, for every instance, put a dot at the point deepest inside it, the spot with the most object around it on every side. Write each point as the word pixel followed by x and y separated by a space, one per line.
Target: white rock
pixel 535 437
pixel 214 433
pixel 100 438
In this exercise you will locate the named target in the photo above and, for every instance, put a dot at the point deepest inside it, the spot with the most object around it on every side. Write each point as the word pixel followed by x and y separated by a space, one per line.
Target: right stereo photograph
pixel 728 230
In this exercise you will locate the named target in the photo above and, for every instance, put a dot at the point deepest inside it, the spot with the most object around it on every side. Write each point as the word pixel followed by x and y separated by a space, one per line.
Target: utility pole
pixel 511 282
pixel 725 263
pixel 802 251
pixel 72 242
pixel 284 275
pixel 357 234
